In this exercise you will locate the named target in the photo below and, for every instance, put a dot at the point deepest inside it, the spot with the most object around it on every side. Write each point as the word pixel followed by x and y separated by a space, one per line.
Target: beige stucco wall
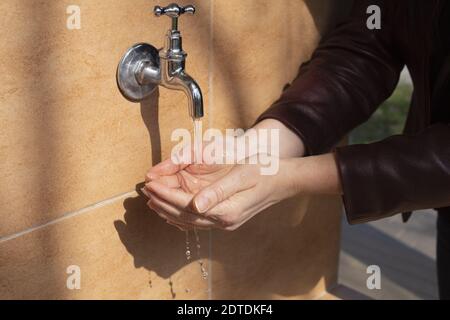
pixel 72 150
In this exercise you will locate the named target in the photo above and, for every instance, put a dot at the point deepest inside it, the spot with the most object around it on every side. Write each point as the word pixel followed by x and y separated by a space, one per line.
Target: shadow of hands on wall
pixel 154 245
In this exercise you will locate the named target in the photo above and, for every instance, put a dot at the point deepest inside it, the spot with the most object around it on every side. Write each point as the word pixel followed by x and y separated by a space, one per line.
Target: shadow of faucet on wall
pixel 149 113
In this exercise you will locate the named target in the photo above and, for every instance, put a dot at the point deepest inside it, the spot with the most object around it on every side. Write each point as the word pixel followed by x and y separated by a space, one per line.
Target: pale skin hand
pixel 171 187
pixel 225 197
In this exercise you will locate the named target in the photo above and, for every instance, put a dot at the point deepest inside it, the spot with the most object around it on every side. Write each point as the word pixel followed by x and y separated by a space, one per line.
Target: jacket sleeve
pixel 399 174
pixel 349 75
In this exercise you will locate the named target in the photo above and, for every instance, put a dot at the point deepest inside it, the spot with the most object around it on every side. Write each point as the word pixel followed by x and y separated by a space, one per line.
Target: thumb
pixel 235 181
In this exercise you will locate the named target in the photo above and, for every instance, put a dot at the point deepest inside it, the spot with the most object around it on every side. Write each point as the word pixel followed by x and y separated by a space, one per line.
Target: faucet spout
pixel 184 82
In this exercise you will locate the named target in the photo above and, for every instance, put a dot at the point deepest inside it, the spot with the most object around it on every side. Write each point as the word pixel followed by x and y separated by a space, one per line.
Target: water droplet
pixel 188 249
pixel 203 271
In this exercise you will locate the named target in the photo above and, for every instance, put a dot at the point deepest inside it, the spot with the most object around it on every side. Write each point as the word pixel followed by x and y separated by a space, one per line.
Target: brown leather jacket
pixel 350 74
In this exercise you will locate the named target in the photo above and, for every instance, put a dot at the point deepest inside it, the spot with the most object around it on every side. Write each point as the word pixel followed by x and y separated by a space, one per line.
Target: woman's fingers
pixel 185 227
pixel 165 168
pixel 175 205
pixel 240 178
pixel 175 197
pixel 172 181
pixel 168 218
pixel 178 226
pixel 239 208
pixel 178 216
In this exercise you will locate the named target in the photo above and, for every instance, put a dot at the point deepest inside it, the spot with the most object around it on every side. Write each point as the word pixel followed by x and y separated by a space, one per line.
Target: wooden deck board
pixel 404 252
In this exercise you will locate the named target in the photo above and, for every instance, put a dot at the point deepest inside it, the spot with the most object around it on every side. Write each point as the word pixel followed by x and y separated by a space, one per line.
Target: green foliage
pixel 388 120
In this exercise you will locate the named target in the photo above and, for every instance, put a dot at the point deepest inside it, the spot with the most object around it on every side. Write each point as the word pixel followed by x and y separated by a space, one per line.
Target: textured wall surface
pixel 72 151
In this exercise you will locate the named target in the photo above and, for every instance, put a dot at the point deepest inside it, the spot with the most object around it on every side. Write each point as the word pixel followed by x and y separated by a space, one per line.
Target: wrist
pixel 286 182
pixel 313 175
pixel 289 144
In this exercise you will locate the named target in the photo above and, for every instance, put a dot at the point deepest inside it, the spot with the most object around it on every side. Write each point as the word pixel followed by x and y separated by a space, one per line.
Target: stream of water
pixel 198 147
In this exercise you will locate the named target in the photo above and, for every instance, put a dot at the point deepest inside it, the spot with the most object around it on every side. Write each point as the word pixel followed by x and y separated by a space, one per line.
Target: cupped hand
pixel 171 188
pixel 214 196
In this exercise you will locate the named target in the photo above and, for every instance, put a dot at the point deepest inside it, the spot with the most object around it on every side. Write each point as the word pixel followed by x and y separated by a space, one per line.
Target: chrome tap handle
pixel 173 11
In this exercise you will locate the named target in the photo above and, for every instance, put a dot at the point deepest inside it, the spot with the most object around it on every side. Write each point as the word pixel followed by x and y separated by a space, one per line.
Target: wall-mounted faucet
pixel 143 67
